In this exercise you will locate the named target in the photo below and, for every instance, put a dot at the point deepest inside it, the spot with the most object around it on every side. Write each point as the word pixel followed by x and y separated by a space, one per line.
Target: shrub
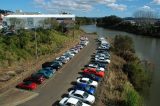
pixel 140 78
pixel 131 96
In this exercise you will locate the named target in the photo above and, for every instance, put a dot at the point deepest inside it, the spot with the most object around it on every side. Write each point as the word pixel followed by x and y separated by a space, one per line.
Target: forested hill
pixel 142 26
pixel 85 20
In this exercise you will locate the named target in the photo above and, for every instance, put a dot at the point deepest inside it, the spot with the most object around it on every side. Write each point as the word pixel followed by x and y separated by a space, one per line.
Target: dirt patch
pixel 20 96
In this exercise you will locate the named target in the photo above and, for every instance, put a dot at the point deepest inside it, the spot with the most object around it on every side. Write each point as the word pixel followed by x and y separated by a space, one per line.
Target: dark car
pixel 37 78
pixel 85 87
pixel 54 65
pixel 92 77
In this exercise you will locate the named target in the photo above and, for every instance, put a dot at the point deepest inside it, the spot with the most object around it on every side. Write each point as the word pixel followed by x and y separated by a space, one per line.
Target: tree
pixel 145 17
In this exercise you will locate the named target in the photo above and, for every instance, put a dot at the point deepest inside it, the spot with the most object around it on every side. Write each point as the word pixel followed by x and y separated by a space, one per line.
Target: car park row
pixel 50 68
pixel 82 93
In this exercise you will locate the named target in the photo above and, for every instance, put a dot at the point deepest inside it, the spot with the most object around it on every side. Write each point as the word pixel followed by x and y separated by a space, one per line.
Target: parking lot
pixel 56 87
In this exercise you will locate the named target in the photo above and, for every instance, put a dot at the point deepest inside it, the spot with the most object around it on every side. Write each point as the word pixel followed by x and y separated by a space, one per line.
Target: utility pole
pixel 35 36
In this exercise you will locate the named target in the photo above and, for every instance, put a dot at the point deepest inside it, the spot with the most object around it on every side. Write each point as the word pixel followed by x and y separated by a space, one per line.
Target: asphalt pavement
pixel 55 88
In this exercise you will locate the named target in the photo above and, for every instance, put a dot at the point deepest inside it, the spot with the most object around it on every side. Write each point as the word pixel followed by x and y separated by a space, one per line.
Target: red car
pixel 37 78
pixel 94 71
pixel 27 85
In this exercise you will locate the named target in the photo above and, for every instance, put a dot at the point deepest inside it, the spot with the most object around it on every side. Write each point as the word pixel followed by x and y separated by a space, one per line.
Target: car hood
pixel 95 83
pixel 84 104
pixel 63 100
pixel 90 98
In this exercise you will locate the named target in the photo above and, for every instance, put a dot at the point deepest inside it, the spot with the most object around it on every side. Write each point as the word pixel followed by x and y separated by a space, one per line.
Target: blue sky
pixel 91 8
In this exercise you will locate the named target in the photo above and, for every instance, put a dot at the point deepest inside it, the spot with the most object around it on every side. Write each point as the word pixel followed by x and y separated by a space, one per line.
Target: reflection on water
pixel 146 48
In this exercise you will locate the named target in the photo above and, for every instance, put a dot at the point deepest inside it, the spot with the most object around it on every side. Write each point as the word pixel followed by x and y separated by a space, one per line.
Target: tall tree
pixel 145 17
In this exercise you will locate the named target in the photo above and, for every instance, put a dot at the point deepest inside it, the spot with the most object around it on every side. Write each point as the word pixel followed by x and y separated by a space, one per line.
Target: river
pixel 146 48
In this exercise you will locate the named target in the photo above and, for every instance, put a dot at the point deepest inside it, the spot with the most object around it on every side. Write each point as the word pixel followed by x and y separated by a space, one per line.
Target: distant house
pixel 130 21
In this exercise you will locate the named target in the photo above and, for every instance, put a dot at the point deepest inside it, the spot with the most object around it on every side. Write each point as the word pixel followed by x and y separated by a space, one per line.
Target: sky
pixel 87 8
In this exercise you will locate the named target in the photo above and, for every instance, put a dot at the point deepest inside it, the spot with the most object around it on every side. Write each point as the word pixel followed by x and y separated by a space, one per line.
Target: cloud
pixel 146 7
pixel 71 5
pixel 157 1
pixel 119 7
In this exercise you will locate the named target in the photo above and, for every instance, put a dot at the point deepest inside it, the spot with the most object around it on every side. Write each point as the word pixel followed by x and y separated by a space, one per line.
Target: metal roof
pixel 40 16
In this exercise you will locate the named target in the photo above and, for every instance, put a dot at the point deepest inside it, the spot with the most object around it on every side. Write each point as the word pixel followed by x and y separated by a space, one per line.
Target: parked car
pixel 29 85
pixel 63 59
pixel 92 65
pixel 94 71
pixel 87 81
pixel 50 69
pixel 71 102
pixel 87 88
pixel 104 65
pixel 68 55
pixel 38 79
pixel 47 74
pixel 82 95
pixel 79 46
pixel 75 51
pixel 92 77
pixel 102 59
pixel 54 65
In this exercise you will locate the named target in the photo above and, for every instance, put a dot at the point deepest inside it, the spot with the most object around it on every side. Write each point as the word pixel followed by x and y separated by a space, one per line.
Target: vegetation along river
pixel 146 48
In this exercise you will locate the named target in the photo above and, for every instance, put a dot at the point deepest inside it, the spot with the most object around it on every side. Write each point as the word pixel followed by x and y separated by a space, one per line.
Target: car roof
pixel 86 79
pixel 72 100
pixel 79 92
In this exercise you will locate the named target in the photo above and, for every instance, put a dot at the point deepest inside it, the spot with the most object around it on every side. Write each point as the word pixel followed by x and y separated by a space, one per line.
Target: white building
pixel 1 20
pixel 33 20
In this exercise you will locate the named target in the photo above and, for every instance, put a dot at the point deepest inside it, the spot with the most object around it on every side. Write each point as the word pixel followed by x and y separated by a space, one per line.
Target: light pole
pixel 35 36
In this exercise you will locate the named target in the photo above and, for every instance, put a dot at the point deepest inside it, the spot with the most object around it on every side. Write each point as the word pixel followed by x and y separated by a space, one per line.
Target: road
pixel 54 89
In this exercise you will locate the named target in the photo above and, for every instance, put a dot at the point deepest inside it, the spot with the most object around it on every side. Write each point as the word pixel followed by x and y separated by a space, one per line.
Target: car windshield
pixel 90 81
pixel 87 88
pixel 27 83
pixel 85 95
pixel 79 103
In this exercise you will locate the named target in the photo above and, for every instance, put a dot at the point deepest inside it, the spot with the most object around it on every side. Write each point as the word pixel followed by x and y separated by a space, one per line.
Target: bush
pixel 131 97
pixel 140 78
pixel 22 45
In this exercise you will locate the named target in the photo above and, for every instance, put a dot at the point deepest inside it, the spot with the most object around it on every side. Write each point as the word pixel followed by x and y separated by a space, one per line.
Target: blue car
pixel 92 77
pixel 46 73
pixel 50 69
pixel 85 87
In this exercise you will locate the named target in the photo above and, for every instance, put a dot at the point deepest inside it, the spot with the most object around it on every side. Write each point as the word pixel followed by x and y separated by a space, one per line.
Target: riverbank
pixel 11 75
pixel 136 31
pixel 143 27
pixel 145 48
pixel 126 79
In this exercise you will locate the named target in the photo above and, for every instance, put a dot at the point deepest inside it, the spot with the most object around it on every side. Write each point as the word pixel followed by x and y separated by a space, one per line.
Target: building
pixel 32 20
pixel 1 20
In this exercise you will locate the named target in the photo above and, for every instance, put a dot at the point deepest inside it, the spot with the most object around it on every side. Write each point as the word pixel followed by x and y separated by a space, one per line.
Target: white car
pixel 102 59
pixel 75 51
pixel 92 65
pixel 72 102
pixel 95 66
pixel 87 81
pixel 100 69
pixel 82 95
